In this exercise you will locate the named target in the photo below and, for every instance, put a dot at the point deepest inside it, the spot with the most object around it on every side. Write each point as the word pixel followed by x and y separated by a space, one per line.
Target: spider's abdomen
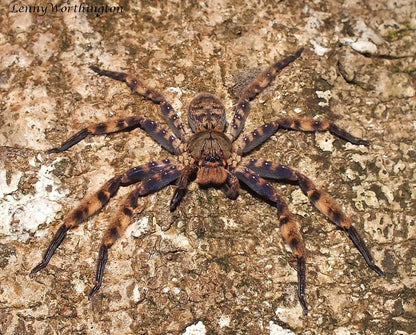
pixel 206 112
pixel 210 150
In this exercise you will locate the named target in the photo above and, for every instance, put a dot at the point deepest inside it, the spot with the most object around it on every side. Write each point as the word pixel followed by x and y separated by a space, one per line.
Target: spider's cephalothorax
pixel 209 147
pixel 214 154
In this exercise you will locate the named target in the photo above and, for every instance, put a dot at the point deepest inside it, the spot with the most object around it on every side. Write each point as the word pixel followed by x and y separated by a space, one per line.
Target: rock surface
pixel 214 266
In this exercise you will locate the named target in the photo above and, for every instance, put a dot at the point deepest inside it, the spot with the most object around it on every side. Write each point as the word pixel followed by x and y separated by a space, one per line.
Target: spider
pixel 213 155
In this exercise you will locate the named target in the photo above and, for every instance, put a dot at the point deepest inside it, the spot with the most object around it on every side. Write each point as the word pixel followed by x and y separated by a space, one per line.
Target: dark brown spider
pixel 213 155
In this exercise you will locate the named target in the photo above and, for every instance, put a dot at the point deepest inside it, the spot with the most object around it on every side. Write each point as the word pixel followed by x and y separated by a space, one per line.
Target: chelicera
pixel 212 154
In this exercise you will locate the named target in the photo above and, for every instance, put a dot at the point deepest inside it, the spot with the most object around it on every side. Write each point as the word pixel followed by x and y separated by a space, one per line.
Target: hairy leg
pixel 288 227
pixel 122 218
pixel 308 124
pixel 171 117
pixel 253 139
pixel 158 133
pixel 88 207
pixel 94 202
pixel 320 199
pixel 254 88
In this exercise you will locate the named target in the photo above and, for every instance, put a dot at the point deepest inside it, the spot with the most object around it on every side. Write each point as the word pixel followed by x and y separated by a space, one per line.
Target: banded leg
pixel 326 205
pixel 122 219
pixel 144 171
pixel 256 137
pixel 311 125
pixel 89 206
pixel 320 199
pixel 158 133
pixel 253 139
pixel 288 227
pixel 254 88
pixel 95 202
pixel 171 117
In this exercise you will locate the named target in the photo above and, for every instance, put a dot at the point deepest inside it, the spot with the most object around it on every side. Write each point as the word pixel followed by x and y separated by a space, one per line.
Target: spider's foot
pixel 362 248
pixel 94 290
pixel 55 243
pixel 301 265
pixel 96 69
pixel 358 141
pixel 102 259
pixel 83 133
pixel 299 52
pixel 341 133
pixel 303 304
pixel 53 150
pixel 121 76
pixel 37 268
pixel 377 270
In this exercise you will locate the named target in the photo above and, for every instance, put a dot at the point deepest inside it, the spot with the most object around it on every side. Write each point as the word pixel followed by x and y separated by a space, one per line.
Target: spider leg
pixel 256 137
pixel 158 133
pixel 311 125
pixel 254 88
pixel 333 212
pixel 122 218
pixel 288 227
pixel 94 202
pixel 183 181
pixel 320 199
pixel 253 139
pixel 90 205
pixel 141 88
pixel 144 171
